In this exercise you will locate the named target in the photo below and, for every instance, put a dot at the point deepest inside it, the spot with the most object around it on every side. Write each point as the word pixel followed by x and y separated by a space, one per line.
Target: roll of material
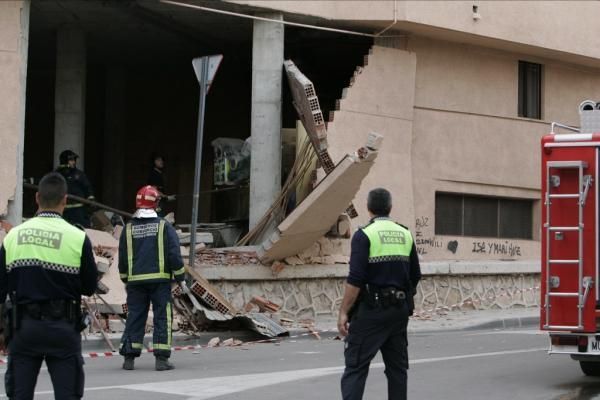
pixel 588 105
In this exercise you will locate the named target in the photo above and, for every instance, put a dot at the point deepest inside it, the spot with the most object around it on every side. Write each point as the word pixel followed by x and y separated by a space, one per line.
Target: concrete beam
pixel 69 99
pixel 267 64
pixel 15 204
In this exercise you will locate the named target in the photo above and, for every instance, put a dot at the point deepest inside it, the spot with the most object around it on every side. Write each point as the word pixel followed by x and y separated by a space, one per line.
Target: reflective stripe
pixel 160 346
pixel 161 247
pixel 37 263
pixel 142 277
pixel 379 259
pixel 129 236
pixel 169 324
pixel 180 271
pixel 137 346
pixel 123 276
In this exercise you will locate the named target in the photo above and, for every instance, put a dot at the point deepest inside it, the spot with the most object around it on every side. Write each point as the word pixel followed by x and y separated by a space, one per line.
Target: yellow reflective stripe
pixel 180 271
pixel 169 323
pixel 123 275
pixel 143 277
pixel 161 247
pixel 159 346
pixel 129 235
pixel 137 346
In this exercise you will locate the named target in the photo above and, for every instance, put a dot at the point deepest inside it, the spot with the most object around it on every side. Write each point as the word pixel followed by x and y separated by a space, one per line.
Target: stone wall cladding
pixel 311 298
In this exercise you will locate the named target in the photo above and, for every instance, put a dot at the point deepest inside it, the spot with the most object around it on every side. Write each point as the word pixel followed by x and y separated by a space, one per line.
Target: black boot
pixel 128 363
pixel 163 364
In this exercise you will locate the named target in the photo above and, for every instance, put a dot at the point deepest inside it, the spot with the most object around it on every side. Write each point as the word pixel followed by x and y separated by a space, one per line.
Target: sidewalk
pixel 326 327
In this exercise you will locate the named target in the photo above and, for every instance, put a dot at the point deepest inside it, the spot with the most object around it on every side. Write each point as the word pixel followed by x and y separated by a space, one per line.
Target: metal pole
pixel 199 139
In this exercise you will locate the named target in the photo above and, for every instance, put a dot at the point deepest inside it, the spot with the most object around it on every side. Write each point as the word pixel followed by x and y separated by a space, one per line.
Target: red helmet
pixel 147 197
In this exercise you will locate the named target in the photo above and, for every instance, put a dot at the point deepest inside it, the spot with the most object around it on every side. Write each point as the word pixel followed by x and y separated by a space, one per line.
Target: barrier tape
pixel 418 314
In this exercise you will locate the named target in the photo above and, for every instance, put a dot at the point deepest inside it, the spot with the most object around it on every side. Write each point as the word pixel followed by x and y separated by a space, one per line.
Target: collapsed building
pixel 458 92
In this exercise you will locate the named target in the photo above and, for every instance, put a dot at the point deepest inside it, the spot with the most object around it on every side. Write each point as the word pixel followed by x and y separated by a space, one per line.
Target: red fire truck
pixel 570 296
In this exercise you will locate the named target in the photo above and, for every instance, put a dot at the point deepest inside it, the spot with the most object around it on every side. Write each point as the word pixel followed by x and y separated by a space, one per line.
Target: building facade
pixel 462 92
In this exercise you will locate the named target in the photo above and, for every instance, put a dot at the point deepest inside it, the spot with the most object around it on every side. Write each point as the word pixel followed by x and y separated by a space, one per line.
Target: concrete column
pixel 114 131
pixel 14 44
pixel 69 99
pixel 267 65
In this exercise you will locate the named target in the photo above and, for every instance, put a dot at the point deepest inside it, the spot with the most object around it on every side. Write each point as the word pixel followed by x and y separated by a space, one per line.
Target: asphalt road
pixel 490 365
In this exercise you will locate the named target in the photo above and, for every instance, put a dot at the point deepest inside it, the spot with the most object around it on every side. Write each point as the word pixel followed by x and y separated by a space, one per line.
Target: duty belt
pixel 55 310
pixel 384 296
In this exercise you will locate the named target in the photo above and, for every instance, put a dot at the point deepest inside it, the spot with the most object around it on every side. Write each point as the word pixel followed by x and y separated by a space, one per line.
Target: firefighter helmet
pixel 147 197
pixel 67 156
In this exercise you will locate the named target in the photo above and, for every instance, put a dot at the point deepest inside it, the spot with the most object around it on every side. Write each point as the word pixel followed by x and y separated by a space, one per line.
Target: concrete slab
pixel 321 208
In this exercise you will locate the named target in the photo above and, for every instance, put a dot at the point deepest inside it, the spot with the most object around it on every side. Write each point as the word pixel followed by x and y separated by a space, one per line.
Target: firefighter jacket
pixel 77 184
pixel 46 258
pixel 149 252
pixel 384 255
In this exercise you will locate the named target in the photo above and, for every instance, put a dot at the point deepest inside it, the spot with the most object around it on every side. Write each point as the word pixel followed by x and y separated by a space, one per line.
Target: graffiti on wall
pixel 426 243
pixel 505 248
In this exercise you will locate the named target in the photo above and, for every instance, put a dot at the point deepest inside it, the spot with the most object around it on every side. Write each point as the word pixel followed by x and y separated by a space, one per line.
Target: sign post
pixel 205 69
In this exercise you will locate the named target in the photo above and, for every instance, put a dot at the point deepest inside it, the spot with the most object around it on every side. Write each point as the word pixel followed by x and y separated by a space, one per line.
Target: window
pixel 466 215
pixel 530 90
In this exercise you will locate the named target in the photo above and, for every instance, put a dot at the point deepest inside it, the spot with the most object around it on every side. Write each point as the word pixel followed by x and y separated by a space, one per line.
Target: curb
pixel 507 323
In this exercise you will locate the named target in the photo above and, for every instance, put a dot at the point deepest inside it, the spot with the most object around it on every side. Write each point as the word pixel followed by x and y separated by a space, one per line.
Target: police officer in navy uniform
pixel 46 264
pixel 384 272
pixel 149 258
pixel 78 185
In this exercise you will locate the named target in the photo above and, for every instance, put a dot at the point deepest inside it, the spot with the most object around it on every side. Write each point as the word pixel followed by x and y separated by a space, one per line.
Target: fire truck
pixel 570 296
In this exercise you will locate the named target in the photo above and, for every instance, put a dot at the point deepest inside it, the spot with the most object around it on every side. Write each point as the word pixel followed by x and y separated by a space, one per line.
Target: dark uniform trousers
pixel 139 298
pixel 375 328
pixel 56 342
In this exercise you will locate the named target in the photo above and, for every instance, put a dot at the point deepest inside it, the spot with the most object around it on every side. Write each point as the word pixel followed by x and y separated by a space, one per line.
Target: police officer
pixel 384 272
pixel 46 264
pixel 78 185
pixel 149 257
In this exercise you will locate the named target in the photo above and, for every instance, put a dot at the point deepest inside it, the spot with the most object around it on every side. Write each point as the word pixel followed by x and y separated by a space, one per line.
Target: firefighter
pixel 378 298
pixel 149 257
pixel 79 185
pixel 46 264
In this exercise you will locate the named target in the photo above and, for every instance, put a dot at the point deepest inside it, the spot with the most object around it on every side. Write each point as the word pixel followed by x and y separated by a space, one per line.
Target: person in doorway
pixel 78 185
pixel 378 299
pixel 46 264
pixel 149 258
pixel 156 178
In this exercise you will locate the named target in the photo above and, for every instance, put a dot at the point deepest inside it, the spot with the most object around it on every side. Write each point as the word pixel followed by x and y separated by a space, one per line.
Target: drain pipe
pixel 320 28
pixel 378 34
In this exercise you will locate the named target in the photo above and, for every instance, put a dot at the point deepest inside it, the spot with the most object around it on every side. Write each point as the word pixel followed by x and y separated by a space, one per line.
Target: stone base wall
pixel 311 298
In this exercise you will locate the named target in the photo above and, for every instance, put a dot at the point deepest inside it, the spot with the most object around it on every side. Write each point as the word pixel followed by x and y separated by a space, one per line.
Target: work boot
pixel 163 364
pixel 128 363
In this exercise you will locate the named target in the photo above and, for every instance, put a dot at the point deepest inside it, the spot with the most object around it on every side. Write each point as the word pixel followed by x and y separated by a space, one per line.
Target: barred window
pixel 480 216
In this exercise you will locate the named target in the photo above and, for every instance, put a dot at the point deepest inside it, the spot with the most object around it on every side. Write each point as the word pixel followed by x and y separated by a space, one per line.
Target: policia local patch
pixel 40 237
pixel 392 237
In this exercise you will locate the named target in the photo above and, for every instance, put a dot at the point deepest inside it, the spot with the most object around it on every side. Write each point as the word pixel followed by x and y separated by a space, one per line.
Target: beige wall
pixel 558 27
pixel 380 100
pixel 14 21
pixel 468 138
pixel 465 135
